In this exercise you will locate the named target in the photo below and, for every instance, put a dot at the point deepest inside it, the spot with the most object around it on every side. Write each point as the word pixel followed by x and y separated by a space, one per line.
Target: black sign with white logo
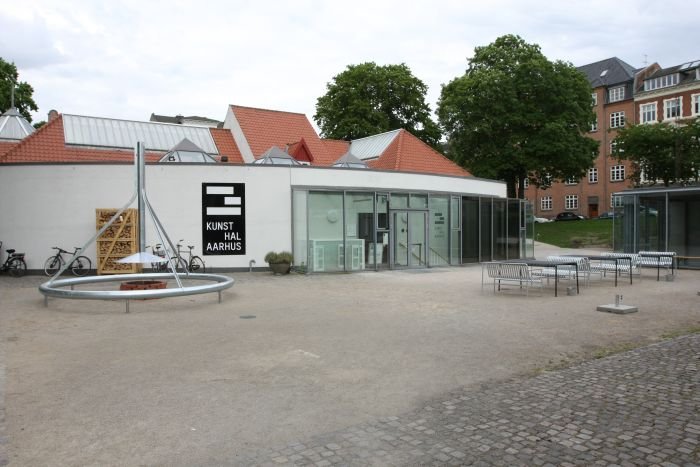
pixel 223 218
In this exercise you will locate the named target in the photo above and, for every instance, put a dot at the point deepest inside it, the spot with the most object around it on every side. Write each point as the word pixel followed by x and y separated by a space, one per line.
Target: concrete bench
pixel 518 273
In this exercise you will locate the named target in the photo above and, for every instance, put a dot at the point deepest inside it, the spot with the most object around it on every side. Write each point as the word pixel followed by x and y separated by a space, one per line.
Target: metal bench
pixel 658 260
pixel 622 268
pixel 568 272
pixel 518 273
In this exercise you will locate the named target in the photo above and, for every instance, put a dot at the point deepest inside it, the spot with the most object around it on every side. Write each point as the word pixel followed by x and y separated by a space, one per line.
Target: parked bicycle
pixel 14 264
pixel 79 265
pixel 194 263
pixel 158 250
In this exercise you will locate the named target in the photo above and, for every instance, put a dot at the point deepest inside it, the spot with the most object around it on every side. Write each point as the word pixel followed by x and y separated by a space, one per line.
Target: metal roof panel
pixel 372 146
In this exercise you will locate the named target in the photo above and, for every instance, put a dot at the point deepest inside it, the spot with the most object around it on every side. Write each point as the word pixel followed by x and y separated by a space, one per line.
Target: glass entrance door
pixel 408 235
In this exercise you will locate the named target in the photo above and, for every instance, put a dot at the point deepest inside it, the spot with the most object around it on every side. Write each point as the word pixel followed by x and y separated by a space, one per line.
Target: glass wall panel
pixel 439 231
pixel 380 248
pixel 500 235
pixel 530 230
pixel 419 201
pixel 455 229
pixel 326 249
pixel 399 200
pixel 486 224
pixel 300 246
pixel 416 237
pixel 684 227
pixel 513 240
pixel 470 229
pixel 624 226
pixel 652 223
pixel 359 231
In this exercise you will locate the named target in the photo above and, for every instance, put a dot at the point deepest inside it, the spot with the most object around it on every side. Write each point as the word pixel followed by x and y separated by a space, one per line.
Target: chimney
pixel 224 158
pixel 53 115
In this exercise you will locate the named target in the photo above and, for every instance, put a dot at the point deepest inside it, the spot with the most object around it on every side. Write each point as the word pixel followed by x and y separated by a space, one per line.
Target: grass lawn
pixel 571 234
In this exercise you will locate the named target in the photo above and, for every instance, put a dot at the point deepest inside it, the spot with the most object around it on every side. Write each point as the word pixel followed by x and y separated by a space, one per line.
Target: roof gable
pixel 301 152
pixel 616 72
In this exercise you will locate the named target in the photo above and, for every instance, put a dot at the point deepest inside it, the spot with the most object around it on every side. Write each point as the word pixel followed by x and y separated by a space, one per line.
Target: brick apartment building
pixel 621 94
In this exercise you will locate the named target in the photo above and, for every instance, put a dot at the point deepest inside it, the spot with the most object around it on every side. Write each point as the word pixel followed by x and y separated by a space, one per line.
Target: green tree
pixel 663 151
pixel 515 115
pixel 23 91
pixel 367 99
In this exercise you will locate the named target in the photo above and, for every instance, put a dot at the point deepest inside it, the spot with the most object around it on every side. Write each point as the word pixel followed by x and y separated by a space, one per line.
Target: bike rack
pixel 56 288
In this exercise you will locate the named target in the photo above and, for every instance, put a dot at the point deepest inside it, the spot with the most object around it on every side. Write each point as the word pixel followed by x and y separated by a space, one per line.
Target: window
pixel 661 82
pixel 594 98
pixel 593 175
pixel 616 94
pixel 672 108
pixel 648 112
pixel 526 183
pixel 617 173
pixel 594 124
pixel 613 148
pixel 616 201
pixel 617 119
pixel 571 202
pixel 571 181
pixel 695 105
pixel 546 203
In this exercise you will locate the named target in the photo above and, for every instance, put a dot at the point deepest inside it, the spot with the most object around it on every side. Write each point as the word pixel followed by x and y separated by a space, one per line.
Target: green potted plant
pixel 281 262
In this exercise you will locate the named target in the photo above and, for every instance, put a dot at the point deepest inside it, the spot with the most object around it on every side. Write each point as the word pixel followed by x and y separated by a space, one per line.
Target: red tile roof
pixel 301 152
pixel 266 128
pixel 336 147
pixel 407 153
pixel 5 147
pixel 47 145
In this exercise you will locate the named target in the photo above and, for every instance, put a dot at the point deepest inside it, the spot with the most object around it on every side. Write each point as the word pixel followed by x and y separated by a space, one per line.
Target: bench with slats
pixel 518 273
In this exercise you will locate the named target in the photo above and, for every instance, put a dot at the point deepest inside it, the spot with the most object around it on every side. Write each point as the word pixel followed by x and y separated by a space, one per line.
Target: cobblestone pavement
pixel 637 408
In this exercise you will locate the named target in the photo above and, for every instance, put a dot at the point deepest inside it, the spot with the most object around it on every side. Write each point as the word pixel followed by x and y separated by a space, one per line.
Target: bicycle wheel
pixel 179 264
pixel 52 265
pixel 197 264
pixel 17 267
pixel 81 266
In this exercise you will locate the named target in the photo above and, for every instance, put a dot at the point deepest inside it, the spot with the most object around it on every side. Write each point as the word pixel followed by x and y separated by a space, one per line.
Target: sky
pixel 127 59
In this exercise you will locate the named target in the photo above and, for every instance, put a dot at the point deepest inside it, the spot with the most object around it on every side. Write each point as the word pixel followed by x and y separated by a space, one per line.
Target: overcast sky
pixel 127 59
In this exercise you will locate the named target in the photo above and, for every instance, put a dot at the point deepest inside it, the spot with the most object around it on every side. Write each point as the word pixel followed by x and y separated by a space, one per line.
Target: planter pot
pixel 280 268
pixel 143 285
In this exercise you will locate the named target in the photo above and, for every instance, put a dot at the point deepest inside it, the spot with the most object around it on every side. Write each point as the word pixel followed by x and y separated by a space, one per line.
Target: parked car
pixel 609 215
pixel 568 216
pixel 542 220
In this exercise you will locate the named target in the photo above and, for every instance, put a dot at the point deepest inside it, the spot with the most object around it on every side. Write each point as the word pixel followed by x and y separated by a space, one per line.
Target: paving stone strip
pixel 640 407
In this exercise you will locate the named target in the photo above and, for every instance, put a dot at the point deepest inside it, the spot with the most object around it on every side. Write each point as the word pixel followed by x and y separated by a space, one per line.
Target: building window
pixel 571 181
pixel 616 201
pixel 616 94
pixel 594 98
pixel 613 148
pixel 526 183
pixel 648 112
pixel 571 202
pixel 617 173
pixel 593 175
pixel 672 108
pixel 661 82
pixel 617 119
pixel 594 124
pixel 546 203
pixel 695 105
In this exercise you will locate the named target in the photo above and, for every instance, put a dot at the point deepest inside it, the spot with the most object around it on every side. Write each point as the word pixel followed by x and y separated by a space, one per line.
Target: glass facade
pixel 345 231
pixel 659 220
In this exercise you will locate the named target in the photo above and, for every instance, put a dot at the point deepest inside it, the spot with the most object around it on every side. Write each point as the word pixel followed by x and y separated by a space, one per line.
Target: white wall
pixel 42 206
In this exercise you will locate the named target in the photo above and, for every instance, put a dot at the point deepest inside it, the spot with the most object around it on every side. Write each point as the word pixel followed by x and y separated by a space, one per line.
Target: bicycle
pixel 79 265
pixel 194 264
pixel 14 265
pixel 158 250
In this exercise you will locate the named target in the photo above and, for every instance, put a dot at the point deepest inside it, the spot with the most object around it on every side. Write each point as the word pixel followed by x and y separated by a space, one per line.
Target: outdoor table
pixel 658 257
pixel 548 264
pixel 616 259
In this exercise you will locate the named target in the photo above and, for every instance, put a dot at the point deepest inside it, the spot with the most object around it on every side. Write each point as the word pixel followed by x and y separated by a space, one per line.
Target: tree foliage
pixel 23 91
pixel 515 115
pixel 367 99
pixel 662 151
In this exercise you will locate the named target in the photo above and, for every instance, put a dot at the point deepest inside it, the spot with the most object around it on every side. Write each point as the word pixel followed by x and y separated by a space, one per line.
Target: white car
pixel 542 220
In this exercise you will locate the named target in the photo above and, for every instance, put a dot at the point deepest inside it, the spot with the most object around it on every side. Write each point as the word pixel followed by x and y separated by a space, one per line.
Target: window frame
pixel 594 98
pixel 571 181
pixel 695 105
pixel 570 202
pixel 616 94
pixel 643 113
pixel 593 174
pixel 546 203
pixel 679 106
pixel 617 173
pixel 617 119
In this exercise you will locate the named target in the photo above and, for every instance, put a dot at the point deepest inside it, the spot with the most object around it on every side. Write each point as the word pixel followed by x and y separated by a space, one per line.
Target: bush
pixel 276 258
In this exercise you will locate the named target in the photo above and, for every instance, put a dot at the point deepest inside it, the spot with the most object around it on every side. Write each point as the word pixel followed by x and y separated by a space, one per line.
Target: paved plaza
pixel 390 368
pixel 636 408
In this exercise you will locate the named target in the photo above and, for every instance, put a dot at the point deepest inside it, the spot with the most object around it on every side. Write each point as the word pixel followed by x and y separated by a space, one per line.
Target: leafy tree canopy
pixel 367 99
pixel 666 152
pixel 23 91
pixel 515 115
